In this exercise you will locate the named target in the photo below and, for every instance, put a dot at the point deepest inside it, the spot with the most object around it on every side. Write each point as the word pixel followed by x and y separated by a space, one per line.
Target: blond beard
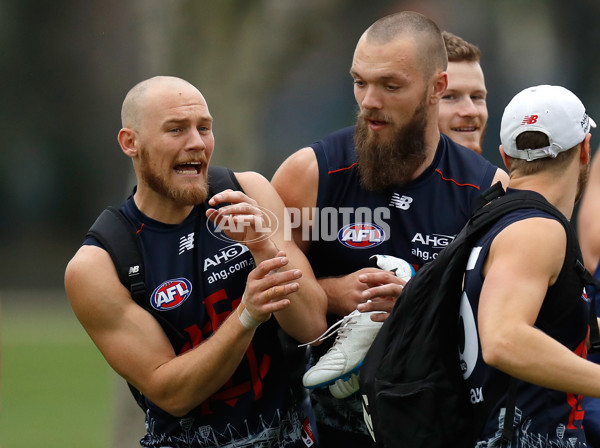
pixel 192 194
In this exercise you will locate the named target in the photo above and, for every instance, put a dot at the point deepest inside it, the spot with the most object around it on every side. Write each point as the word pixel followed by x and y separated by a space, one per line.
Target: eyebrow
pixel 392 77
pixel 176 121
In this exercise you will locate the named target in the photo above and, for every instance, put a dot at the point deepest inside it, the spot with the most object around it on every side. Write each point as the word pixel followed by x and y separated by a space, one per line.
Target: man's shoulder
pixel 336 152
pixel 464 165
pixel 460 152
pixel 342 137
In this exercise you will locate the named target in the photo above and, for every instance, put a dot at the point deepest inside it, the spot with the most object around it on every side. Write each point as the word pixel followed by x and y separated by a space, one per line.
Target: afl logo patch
pixel 361 235
pixel 171 294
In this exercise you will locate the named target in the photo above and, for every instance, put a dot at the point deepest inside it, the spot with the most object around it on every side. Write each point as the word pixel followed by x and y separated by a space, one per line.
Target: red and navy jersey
pixel 543 417
pixel 196 279
pixel 413 221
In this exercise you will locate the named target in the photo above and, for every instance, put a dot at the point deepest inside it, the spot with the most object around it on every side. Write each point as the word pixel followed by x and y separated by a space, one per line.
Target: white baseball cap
pixel 553 110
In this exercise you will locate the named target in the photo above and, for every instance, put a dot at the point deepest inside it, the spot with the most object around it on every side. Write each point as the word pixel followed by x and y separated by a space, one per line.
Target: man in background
pixel 390 185
pixel 588 231
pixel 463 110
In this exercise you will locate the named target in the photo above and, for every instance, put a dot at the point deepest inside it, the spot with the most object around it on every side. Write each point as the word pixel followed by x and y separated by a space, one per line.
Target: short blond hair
pixel 425 31
pixel 459 50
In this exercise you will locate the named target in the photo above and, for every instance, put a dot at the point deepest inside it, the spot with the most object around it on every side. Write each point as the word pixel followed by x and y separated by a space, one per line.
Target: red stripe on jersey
pixel 342 169
pixel 459 184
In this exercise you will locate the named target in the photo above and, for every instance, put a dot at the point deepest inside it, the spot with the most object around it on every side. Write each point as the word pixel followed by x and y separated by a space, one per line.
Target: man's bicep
pixel 297 182
pixel 129 338
pixel 297 179
pixel 524 260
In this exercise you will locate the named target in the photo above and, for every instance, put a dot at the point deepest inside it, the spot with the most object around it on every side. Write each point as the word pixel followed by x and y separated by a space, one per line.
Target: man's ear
pixel 505 158
pixel 127 141
pixel 586 150
pixel 440 84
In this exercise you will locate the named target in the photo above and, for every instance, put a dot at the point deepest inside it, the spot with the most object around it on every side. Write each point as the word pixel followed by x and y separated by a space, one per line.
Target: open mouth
pixel 376 124
pixel 188 168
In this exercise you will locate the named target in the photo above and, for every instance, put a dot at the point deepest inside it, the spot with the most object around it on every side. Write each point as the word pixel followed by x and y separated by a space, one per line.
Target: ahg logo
pixel 436 241
pixel 225 255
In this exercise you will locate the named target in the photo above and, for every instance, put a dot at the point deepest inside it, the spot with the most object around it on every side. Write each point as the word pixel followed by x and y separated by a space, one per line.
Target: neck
pixel 555 189
pixel 160 208
pixel 432 140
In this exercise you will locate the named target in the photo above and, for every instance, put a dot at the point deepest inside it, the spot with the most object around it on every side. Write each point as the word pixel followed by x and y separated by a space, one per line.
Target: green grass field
pixel 56 389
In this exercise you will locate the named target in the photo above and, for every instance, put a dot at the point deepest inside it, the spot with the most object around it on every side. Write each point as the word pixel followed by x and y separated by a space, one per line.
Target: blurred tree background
pixel 274 72
pixel 275 75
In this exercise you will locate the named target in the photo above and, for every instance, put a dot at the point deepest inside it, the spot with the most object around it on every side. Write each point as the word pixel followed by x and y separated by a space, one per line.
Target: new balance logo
pixel 529 119
pixel 134 269
pixel 401 202
pixel 186 242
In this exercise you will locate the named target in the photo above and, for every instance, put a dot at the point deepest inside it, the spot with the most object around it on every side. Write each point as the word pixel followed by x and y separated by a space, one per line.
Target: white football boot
pixel 338 368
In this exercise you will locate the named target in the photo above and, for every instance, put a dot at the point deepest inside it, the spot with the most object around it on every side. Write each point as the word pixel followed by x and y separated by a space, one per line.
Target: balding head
pixel 138 98
pixel 423 30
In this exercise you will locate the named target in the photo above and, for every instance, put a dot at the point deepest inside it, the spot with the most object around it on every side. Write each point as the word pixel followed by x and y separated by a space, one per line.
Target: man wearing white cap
pixel 523 289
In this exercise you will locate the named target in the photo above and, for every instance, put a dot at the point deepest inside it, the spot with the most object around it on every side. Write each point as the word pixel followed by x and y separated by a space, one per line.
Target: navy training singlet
pixel 413 221
pixel 197 281
pixel 543 417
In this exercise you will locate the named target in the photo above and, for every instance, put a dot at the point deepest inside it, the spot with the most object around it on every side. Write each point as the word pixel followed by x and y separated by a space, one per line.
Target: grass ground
pixel 56 390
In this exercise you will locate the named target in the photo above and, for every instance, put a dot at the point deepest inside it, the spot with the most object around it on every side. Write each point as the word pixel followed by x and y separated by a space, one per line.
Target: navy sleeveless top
pixel 197 281
pixel 412 221
pixel 543 417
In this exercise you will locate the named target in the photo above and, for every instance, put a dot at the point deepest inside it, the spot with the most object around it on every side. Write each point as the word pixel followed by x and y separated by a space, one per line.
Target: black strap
pixel 221 178
pixel 495 191
pixel 592 281
pixel 120 239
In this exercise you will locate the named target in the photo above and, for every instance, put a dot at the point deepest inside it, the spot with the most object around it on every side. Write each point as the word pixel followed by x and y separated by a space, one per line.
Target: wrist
pixel 263 250
pixel 246 319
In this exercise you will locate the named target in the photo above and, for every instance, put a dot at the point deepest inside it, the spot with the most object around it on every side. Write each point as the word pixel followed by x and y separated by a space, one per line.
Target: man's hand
pixel 266 289
pixel 382 288
pixel 242 219
pixel 346 292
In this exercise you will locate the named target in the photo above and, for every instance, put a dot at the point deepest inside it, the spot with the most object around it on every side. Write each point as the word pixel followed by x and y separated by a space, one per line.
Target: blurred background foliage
pixel 274 72
pixel 275 75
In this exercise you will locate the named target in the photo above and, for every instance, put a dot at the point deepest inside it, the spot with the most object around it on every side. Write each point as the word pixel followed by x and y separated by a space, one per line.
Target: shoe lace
pixel 341 327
